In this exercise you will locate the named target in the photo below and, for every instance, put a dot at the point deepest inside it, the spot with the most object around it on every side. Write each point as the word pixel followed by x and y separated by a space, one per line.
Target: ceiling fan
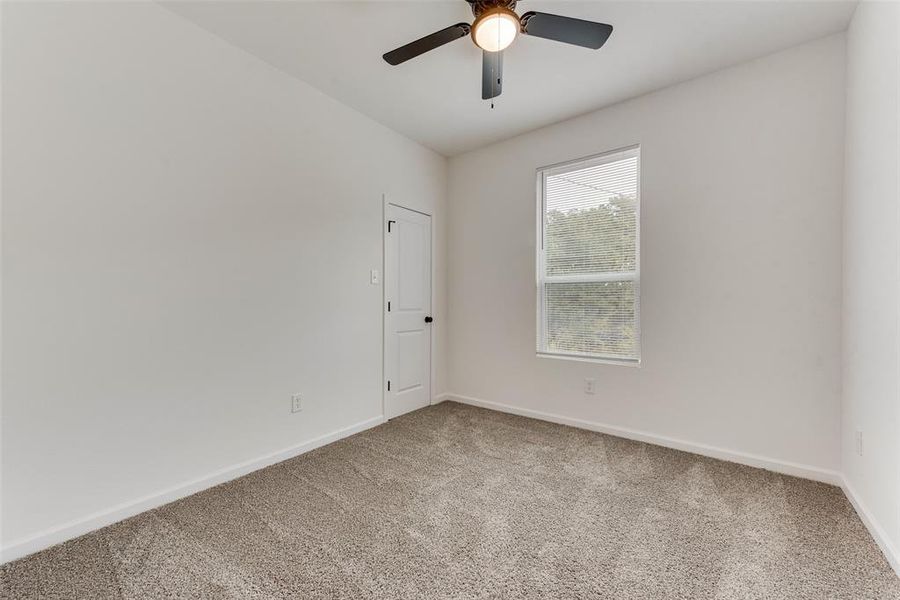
pixel 495 28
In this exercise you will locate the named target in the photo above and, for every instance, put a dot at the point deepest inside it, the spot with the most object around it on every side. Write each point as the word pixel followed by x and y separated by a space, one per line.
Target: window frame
pixel 542 278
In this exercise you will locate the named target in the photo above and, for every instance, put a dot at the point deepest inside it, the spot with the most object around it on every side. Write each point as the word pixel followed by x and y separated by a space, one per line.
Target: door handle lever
pixel 428 319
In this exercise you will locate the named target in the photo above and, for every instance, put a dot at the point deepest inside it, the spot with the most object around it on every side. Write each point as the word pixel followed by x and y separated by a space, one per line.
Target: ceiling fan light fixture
pixel 495 29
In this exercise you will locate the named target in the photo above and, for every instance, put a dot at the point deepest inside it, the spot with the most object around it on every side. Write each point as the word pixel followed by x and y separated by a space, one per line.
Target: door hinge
pixel 389 225
pixel 389 385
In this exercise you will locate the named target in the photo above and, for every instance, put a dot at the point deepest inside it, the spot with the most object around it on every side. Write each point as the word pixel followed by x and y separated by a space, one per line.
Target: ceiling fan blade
pixel 491 74
pixel 566 29
pixel 429 42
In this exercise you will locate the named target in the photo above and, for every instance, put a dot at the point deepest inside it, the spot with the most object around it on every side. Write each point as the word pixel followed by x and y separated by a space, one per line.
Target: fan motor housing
pixel 479 7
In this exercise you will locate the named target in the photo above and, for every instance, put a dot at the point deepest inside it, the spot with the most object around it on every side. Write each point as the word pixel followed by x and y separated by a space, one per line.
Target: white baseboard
pixel 878 534
pixel 56 535
pixel 23 547
pixel 753 460
pixel 440 398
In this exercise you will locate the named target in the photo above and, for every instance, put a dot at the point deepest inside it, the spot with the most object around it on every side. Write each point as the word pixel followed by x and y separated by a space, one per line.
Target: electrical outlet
pixel 373 277
pixel 859 443
pixel 589 385
pixel 296 403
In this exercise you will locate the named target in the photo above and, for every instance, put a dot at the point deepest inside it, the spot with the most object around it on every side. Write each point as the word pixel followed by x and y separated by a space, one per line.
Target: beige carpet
pixel 459 502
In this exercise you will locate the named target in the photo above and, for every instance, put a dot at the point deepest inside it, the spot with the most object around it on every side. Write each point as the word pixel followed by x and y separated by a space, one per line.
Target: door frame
pixel 385 201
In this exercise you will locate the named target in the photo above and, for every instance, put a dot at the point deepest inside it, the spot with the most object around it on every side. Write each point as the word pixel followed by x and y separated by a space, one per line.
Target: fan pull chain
pixel 496 79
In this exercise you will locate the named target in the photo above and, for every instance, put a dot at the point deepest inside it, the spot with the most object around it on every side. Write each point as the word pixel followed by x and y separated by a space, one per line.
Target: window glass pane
pixel 594 318
pixel 591 219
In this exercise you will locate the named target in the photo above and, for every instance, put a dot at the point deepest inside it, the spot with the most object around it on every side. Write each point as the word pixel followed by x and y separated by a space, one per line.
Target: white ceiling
pixel 436 98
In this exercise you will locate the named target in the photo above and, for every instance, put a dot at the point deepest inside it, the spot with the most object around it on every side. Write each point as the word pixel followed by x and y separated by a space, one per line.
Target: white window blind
pixel 588 261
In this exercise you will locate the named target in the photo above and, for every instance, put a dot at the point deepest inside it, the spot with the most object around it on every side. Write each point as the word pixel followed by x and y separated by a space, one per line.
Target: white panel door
pixel 407 288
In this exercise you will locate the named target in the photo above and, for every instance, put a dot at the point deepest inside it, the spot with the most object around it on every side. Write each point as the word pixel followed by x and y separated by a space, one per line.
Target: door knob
pixel 428 319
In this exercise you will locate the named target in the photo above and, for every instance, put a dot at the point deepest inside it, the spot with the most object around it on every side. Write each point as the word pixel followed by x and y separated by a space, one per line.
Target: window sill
pixel 622 362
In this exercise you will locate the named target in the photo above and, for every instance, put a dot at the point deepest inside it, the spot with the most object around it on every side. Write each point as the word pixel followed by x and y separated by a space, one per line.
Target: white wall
pixel 871 362
pixel 741 263
pixel 187 239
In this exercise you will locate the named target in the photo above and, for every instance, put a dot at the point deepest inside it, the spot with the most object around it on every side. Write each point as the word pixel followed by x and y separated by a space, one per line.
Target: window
pixel 588 264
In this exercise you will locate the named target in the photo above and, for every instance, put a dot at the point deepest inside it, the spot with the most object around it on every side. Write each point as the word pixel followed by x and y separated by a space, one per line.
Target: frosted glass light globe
pixel 495 30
